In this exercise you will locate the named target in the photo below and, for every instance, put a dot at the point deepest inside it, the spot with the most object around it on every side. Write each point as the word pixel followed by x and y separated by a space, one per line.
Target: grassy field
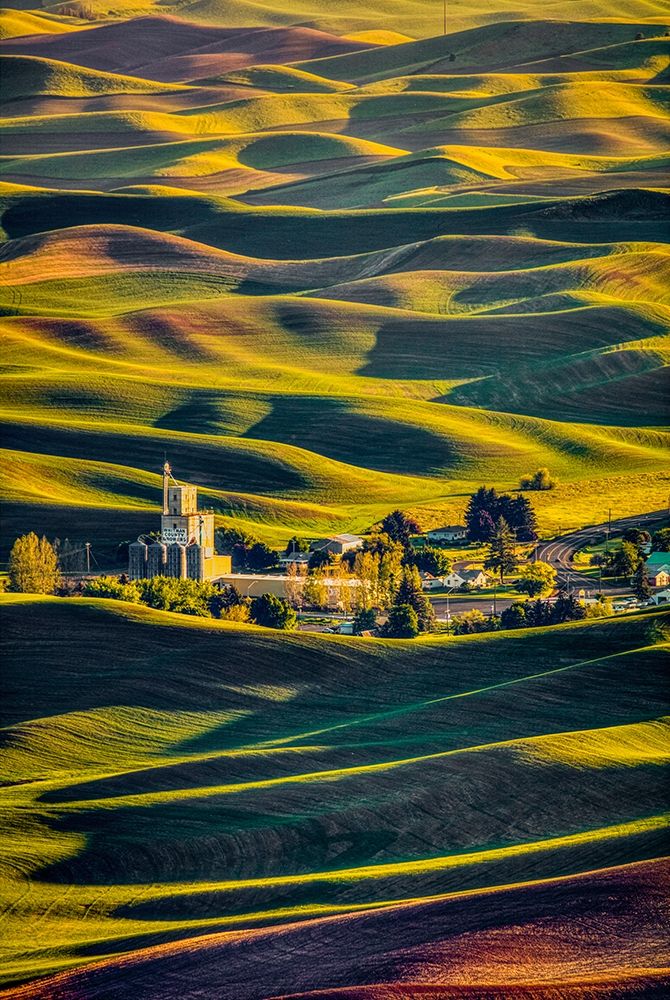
pixel 332 272
pixel 330 262
pixel 240 788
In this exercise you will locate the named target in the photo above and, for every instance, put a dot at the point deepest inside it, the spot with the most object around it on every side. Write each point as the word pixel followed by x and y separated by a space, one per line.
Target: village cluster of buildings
pixel 185 550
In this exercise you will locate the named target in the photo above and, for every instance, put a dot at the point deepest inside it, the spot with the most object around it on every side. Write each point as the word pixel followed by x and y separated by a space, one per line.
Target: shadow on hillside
pixel 335 428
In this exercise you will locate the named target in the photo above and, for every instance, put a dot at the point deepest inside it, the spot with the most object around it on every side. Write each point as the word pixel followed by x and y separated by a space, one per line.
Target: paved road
pixel 559 552
pixel 457 605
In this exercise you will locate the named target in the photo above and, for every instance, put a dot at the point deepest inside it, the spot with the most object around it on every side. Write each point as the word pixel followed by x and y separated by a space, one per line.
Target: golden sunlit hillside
pixel 328 262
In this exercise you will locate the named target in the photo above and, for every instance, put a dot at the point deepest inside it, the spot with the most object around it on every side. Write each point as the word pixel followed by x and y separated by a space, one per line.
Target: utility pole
pixel 448 611
pixel 88 557
pixel 444 20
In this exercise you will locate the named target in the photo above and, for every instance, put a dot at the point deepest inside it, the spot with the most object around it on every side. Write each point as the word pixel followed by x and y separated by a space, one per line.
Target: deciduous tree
pixel 626 560
pixel 273 612
pixel 261 556
pixel 538 579
pixel 432 560
pixel 470 622
pixel 33 565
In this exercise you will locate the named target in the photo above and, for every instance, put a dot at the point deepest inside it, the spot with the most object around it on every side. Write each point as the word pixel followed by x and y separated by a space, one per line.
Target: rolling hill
pixel 330 262
pixel 419 820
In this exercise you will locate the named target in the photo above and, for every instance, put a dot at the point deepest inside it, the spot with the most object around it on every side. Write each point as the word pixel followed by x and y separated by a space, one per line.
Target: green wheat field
pixel 331 262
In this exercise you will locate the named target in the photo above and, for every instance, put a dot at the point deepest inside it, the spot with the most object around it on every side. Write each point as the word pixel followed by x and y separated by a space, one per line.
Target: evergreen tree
pixel 402 623
pixel 538 613
pixel 411 592
pixel 320 558
pixel 660 541
pixel 33 566
pixel 502 555
pixel 519 513
pixel 567 608
pixel 480 515
pixel 365 620
pixel 296 544
pixel 223 600
pixel 641 583
pixel 399 527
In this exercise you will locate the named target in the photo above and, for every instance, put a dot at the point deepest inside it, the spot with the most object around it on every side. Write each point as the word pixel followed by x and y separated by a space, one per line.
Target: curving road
pixel 560 551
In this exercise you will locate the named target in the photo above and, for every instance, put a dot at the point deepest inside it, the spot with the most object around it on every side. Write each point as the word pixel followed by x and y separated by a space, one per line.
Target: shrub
pixel 470 622
pixel 602 608
pixel 111 586
pixel 186 597
pixel 540 480
pixel 236 613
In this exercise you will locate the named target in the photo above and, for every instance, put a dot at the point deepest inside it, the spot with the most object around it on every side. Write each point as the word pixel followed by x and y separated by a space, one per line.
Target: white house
pixel 430 582
pixel 661 597
pixel 475 577
pixel 450 533
pixel 454 579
